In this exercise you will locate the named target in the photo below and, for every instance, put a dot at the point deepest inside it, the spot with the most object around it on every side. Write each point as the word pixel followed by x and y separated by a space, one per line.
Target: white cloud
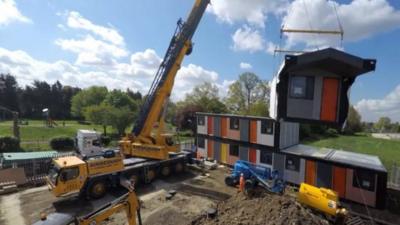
pixel 136 75
pixel 245 66
pixel 9 13
pixel 254 12
pixel 92 51
pixel 247 39
pixel 76 21
pixel 372 109
pixel 360 19
pixel 271 47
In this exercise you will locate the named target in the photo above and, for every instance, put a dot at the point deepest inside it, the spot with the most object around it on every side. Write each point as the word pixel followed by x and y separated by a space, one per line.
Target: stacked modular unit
pixel 227 138
pixel 356 177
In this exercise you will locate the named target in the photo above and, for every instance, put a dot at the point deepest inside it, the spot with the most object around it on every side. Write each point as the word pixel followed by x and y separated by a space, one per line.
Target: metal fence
pixel 394 176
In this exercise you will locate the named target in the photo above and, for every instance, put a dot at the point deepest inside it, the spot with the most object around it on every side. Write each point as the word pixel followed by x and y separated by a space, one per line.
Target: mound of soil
pixel 262 209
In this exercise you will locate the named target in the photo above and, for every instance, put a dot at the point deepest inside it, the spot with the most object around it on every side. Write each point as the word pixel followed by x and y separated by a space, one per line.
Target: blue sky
pixel 119 44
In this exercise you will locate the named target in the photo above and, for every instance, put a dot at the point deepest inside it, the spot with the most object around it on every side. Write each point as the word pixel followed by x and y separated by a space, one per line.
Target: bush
pixel 9 144
pixel 105 140
pixel 62 143
pixel 332 132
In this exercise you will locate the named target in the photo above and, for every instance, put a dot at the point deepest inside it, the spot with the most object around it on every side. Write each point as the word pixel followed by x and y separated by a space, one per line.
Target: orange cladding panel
pixel 209 125
pixel 339 180
pixel 253 155
pixel 224 126
pixel 310 172
pixel 210 145
pixel 253 131
pixel 329 99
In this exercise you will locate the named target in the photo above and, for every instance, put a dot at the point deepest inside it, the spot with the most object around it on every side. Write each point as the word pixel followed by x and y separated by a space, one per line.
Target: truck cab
pixel 68 174
pixel 90 175
pixel 88 142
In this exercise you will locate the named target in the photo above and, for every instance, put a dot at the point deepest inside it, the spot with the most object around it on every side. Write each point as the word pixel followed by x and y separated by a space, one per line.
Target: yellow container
pixel 323 199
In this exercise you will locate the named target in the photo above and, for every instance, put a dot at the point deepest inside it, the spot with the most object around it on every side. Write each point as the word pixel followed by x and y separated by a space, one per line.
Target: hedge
pixel 62 143
pixel 105 140
pixel 9 144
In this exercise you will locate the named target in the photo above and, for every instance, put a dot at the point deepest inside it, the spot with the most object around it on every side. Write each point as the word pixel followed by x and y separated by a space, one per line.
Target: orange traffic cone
pixel 241 183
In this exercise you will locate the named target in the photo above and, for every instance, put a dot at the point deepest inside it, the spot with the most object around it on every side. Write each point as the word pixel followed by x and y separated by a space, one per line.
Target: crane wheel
pixel 165 171
pixel 151 174
pixel 134 179
pixel 97 189
pixel 230 181
pixel 249 186
pixel 179 167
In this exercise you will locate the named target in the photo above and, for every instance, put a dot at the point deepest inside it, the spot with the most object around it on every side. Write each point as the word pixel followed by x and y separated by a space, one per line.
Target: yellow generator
pixel 322 199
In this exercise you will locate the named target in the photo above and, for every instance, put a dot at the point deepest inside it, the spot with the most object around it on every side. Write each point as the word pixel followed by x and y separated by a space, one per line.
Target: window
pixel 200 120
pixel 201 142
pixel 266 157
pixel 69 174
pixel 234 123
pixel 364 180
pixel 267 127
pixel 234 150
pixel 292 163
pixel 302 87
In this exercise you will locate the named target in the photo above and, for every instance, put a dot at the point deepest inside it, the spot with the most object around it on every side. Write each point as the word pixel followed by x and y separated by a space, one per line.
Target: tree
pixel 100 115
pixel 259 108
pixel 119 99
pixel 383 124
pixel 87 97
pixel 353 124
pixel 206 96
pixel 121 118
pixel 8 92
pixel 186 116
pixel 245 92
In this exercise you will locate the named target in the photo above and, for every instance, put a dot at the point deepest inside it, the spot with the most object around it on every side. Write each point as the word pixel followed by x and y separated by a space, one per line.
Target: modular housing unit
pixel 356 177
pixel 314 87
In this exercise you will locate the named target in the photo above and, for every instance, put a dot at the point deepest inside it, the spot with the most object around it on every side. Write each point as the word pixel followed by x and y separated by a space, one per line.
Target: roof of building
pixel 329 59
pixel 233 115
pixel 337 156
pixel 27 155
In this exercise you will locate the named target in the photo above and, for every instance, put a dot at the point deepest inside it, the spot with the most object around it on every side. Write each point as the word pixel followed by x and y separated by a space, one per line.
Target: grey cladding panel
pixel 243 153
pixel 217 151
pixel 279 163
pixel 244 129
pixel 317 97
pixel 324 175
pixel 217 126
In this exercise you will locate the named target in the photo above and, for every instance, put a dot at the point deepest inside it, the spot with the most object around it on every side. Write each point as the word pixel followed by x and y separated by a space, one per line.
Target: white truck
pixel 88 142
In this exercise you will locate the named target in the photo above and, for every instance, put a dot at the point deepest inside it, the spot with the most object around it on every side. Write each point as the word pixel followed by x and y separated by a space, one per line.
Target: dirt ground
pixel 262 209
pixel 195 194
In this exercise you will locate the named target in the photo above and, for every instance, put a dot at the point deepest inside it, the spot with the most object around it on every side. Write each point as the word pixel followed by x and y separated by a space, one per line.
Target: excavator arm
pixel 141 142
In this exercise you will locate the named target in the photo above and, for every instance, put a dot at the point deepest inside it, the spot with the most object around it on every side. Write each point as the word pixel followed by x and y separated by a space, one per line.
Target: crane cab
pixel 67 175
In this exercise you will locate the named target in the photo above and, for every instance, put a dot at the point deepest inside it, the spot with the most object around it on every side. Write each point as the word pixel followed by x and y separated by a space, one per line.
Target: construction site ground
pixel 195 194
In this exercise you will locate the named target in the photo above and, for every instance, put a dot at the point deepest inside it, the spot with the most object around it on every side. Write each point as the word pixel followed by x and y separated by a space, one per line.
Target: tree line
pixel 248 95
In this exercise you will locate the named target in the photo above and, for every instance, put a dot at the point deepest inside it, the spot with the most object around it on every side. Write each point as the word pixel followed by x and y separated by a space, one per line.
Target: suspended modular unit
pixel 313 87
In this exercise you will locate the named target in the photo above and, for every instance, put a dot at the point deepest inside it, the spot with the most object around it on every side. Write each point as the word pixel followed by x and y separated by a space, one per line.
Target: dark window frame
pixel 266 157
pixel 234 150
pixel 292 163
pixel 308 86
pixel 201 142
pixel 234 123
pixel 201 120
pixel 364 177
pixel 267 127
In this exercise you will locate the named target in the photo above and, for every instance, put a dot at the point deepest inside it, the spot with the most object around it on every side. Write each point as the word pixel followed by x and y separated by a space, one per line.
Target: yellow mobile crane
pixel 146 155
pixel 141 143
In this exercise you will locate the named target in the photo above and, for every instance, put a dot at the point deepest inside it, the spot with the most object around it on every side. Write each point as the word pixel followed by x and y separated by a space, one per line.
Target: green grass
pixel 36 135
pixel 387 150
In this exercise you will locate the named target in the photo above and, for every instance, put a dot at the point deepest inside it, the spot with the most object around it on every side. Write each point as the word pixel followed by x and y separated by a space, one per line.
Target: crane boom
pixel 141 143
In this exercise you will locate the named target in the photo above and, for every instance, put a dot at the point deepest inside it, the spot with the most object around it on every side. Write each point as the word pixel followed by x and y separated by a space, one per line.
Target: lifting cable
pixel 339 23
